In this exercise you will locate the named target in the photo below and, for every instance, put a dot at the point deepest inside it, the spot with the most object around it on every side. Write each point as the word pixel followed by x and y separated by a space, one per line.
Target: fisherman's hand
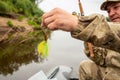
pixel 59 19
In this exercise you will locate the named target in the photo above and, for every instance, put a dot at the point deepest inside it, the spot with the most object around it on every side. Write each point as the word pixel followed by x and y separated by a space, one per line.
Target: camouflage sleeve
pixel 96 30
pixel 99 54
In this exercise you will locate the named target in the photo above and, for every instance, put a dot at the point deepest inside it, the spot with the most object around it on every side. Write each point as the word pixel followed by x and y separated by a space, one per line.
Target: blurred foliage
pixel 17 44
pixel 9 23
pixel 20 18
pixel 24 7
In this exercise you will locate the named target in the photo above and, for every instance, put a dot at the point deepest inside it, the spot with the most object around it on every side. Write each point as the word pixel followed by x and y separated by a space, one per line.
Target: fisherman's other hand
pixel 59 19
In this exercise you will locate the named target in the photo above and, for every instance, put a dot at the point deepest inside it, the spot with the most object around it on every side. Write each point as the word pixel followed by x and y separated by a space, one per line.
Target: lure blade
pixel 43 49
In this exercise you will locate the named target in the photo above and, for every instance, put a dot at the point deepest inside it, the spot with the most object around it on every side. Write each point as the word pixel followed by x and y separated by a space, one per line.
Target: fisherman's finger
pixel 52 26
pixel 46 18
pixel 43 24
pixel 51 13
pixel 49 20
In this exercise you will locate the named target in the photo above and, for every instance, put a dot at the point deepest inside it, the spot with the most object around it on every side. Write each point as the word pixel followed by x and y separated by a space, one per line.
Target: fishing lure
pixel 43 49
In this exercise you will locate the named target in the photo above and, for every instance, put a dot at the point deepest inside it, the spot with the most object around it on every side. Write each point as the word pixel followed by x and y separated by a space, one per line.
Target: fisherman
pixel 104 37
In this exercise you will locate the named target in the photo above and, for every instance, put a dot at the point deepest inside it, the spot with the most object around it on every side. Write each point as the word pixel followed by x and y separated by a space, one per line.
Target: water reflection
pixel 10 62
pixel 15 54
pixel 63 50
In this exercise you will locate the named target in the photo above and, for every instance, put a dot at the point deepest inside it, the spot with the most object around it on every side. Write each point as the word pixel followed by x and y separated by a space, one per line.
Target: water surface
pixel 63 50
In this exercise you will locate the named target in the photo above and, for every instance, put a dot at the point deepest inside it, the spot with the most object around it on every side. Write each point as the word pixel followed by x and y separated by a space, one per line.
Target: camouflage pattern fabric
pixel 96 30
pixel 105 64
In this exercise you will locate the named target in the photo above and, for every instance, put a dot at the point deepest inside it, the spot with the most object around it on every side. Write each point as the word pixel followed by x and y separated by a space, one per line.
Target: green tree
pixel 25 7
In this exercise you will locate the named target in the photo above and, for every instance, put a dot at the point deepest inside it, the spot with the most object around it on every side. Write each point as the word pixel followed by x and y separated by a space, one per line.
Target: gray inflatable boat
pixel 57 73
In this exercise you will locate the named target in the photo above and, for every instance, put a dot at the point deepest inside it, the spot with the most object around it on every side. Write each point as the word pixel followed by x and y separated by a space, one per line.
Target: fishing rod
pixel 82 14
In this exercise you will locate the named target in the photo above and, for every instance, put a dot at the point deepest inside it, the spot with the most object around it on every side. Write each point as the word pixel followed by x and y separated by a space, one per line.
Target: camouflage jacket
pixel 105 36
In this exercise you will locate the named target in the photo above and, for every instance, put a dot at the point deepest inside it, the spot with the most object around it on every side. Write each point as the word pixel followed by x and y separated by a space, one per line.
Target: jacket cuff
pixel 86 27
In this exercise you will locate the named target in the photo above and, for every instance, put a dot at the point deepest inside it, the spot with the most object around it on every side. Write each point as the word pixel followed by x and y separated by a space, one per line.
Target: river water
pixel 63 50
